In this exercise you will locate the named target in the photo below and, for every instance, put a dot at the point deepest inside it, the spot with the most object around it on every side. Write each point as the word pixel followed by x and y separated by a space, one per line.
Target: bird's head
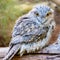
pixel 42 14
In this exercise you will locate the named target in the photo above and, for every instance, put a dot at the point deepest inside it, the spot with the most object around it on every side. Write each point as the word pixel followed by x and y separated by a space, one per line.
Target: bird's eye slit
pixel 49 13
pixel 37 14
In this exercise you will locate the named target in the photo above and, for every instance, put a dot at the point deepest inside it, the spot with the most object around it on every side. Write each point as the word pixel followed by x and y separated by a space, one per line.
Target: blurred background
pixel 10 10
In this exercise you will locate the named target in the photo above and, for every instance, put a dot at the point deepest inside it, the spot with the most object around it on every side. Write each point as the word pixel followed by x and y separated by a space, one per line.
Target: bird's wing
pixel 12 52
pixel 25 30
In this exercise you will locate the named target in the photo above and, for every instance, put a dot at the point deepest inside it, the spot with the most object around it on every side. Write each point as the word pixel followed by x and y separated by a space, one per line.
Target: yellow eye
pixel 49 13
pixel 37 14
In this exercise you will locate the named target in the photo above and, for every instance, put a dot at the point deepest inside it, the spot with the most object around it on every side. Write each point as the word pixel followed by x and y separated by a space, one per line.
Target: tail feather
pixel 12 52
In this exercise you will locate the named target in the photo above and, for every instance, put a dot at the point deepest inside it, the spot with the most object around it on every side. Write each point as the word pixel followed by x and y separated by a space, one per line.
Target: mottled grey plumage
pixel 32 31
